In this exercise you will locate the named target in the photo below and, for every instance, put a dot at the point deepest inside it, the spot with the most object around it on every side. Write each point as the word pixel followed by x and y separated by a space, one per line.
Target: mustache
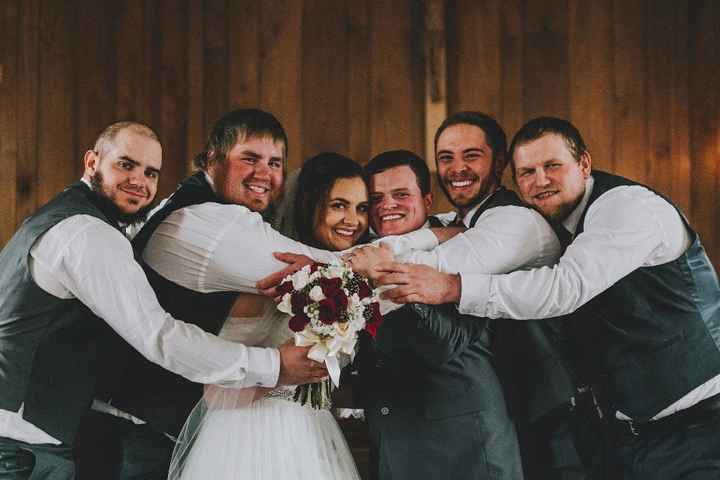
pixel 460 177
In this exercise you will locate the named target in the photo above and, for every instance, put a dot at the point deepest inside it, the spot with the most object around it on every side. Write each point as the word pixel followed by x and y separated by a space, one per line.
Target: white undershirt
pixel 626 228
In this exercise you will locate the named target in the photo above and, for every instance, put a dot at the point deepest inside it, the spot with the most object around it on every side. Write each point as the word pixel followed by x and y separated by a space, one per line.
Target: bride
pixel 262 433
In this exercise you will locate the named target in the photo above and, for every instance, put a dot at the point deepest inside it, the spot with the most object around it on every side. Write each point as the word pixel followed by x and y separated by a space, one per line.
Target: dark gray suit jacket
pixel 435 407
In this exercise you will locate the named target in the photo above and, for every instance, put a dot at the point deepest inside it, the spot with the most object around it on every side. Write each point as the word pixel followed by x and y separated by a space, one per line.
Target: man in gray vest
pixel 69 285
pixel 642 297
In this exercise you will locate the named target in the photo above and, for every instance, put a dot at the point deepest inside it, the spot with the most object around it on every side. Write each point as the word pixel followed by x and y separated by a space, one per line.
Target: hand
pixel 418 284
pixel 268 285
pixel 363 260
pixel 296 368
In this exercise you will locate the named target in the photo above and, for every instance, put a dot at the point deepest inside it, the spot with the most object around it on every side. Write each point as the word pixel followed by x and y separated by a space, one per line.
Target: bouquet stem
pixel 315 395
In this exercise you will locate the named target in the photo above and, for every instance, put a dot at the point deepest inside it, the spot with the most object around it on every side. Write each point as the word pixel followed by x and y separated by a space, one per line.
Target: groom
pixel 433 403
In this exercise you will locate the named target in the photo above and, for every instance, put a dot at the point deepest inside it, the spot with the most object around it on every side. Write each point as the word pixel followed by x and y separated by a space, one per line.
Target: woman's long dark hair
pixel 317 177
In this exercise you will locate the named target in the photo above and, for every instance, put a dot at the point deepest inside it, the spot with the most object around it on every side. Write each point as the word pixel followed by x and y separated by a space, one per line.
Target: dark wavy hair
pixel 317 177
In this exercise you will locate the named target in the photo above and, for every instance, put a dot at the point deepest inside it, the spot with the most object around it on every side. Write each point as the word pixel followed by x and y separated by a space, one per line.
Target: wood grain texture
pixel 630 71
pixel 638 78
pixel 324 79
pixel 358 80
pixel 281 69
pixel 28 73
pixel 58 163
pixel 590 57
pixel 173 92
pixel 546 58
pixel 397 91
pixel 704 115
pixel 9 16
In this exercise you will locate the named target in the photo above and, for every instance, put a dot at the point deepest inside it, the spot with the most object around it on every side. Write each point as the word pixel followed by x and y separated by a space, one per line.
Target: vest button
pixel 385 411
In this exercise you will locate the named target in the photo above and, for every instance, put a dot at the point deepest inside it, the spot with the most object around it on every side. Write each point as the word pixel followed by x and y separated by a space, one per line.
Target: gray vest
pixel 654 335
pixel 49 347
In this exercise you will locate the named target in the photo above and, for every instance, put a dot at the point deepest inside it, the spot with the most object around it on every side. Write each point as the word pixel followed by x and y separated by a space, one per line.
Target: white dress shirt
pixel 626 228
pixel 83 257
pixel 214 247
pixel 503 239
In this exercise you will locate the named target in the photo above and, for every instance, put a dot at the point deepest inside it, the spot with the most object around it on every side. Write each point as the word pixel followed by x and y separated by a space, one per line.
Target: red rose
pixel 330 286
pixel 364 290
pixel 297 323
pixel 341 300
pixel 285 287
pixel 376 318
pixel 315 266
pixel 328 311
pixel 298 302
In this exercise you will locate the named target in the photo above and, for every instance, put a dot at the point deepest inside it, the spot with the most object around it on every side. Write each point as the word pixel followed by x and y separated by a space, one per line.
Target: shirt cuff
pixel 474 294
pixel 263 367
pixel 422 239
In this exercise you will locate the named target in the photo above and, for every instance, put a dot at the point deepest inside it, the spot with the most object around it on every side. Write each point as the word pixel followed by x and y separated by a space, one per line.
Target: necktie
pixel 457 221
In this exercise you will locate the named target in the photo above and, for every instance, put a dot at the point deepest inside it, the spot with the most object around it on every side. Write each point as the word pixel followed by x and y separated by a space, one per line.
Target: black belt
pixel 698 414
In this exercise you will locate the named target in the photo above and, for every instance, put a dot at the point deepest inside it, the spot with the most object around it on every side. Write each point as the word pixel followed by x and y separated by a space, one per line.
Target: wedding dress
pixel 229 436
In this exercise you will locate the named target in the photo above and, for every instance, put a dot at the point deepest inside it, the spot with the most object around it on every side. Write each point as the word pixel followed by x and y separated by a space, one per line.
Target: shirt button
pixel 385 410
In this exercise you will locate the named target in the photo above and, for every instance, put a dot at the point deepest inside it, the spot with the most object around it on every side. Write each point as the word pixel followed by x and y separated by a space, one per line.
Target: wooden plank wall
pixel 639 77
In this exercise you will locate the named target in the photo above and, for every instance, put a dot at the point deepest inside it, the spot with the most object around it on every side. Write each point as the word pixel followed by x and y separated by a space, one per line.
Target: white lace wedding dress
pixel 229 436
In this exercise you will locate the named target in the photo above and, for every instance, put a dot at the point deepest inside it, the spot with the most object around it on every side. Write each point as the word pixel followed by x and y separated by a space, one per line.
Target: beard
pixel 487 185
pixel 107 204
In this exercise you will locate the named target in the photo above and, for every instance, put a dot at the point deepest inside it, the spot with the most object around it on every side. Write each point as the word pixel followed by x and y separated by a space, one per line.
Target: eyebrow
pixel 137 164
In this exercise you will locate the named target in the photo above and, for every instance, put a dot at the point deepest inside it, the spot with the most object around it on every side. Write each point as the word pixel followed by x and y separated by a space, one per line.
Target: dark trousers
pixel 24 461
pixel 548 449
pixel 479 445
pixel 691 452
pixel 112 448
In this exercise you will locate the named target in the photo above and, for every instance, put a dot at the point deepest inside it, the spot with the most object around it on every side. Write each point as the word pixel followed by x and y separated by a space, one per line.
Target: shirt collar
pixel 571 222
pixel 209 179
pixel 469 215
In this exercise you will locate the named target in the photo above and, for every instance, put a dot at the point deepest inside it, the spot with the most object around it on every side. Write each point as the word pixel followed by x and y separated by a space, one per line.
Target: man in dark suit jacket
pixel 434 406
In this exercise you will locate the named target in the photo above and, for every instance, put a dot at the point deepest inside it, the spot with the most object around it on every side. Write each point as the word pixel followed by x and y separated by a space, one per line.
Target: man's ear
pixel 90 162
pixel 585 164
pixel 428 201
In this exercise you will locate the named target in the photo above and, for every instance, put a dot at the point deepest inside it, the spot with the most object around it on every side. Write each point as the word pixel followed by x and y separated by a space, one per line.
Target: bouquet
pixel 329 305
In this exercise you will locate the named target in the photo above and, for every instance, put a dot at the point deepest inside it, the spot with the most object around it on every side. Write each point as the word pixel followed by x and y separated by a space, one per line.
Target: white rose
pixel 316 294
pixel 334 271
pixel 300 279
pixel 285 305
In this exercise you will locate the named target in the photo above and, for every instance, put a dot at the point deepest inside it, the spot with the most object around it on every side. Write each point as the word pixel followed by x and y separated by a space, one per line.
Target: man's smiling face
pixel 397 205
pixel 251 174
pixel 465 165
pixel 549 177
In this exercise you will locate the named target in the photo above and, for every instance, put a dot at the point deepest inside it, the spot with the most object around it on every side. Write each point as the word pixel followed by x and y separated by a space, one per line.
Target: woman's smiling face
pixel 343 218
